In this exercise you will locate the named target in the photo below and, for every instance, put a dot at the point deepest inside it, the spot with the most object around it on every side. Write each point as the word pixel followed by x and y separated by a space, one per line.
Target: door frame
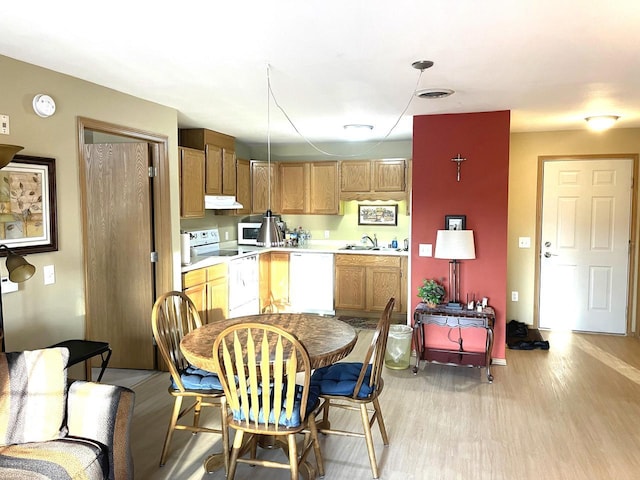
pixel 632 286
pixel 161 204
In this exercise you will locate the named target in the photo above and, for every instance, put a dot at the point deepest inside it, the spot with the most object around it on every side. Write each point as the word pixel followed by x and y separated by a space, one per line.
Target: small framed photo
pixel 378 214
pixel 455 222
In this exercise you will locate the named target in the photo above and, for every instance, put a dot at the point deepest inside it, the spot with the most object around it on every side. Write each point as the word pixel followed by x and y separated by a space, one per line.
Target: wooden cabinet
pixel 309 188
pixel 366 282
pixel 191 171
pixel 243 186
pixel 274 280
pixel 260 174
pixel 220 158
pixel 208 288
pixel 373 179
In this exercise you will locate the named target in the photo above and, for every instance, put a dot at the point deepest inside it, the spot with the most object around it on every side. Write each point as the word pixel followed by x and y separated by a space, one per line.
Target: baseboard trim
pixel 499 361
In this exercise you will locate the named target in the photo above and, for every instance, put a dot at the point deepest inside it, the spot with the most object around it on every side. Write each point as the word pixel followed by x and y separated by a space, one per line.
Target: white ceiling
pixel 334 62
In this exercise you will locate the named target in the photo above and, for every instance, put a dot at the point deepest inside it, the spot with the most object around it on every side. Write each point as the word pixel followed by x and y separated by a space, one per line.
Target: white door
pixel 585 235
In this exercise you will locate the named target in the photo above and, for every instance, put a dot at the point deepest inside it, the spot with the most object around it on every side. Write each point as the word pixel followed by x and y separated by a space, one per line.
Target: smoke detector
pixel 431 93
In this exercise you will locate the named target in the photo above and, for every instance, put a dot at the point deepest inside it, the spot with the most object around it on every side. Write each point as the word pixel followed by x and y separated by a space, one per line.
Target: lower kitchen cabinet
pixel 274 280
pixel 208 289
pixel 366 282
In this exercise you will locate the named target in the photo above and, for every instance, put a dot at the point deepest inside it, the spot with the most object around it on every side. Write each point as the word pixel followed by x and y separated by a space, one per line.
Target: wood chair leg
pixel 293 456
pixel 177 404
pixel 235 451
pixel 316 446
pixel 224 426
pixel 369 438
pixel 380 419
pixel 196 413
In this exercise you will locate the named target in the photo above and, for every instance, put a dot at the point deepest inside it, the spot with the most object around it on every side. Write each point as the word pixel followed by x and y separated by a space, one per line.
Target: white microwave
pixel 248 233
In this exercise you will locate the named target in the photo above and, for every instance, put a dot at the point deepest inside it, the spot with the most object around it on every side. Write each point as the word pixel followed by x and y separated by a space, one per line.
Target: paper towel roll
pixel 185 248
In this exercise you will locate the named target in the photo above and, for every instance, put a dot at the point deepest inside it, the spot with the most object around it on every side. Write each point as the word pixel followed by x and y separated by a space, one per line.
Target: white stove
pixel 203 242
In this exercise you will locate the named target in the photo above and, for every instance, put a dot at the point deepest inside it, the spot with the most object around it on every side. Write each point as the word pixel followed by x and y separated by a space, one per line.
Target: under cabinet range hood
pixel 221 202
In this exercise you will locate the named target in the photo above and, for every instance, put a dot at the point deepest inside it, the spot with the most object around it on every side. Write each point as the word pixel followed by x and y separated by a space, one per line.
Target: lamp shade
pixel 19 269
pixel 455 245
pixel 269 234
pixel 7 152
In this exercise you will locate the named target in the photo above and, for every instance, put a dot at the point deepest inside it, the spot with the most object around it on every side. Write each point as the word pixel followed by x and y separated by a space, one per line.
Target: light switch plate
pixel 49 274
pixel 4 124
pixel 8 285
pixel 425 250
pixel 524 242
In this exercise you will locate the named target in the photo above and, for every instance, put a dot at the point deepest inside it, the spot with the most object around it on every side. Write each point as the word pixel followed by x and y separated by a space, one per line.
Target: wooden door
pixel 389 175
pixel 263 198
pixel 293 187
pixel 191 183
pixel 323 188
pixel 213 170
pixel 355 176
pixel 585 238
pixel 382 284
pixel 279 273
pixel 228 172
pixel 118 245
pixel 217 293
pixel 243 186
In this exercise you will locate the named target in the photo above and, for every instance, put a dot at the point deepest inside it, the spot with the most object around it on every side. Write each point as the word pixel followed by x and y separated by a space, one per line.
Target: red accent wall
pixel 481 195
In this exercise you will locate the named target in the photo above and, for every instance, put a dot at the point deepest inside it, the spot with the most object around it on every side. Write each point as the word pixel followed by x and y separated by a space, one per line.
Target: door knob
pixel 549 255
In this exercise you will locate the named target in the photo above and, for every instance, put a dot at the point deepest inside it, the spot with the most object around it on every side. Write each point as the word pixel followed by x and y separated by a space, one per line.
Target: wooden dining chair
pixel 173 316
pixel 272 397
pixel 357 386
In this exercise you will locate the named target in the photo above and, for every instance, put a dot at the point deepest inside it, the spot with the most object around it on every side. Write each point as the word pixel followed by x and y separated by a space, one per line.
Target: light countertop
pixel 313 246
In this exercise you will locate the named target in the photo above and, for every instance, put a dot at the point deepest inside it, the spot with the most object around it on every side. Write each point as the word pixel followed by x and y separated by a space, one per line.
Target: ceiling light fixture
pixel 601 122
pixel 358 131
pixel 422 64
pixel 431 93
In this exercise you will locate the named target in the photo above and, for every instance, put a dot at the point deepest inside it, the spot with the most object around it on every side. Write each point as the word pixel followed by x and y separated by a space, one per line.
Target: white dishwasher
pixel 311 282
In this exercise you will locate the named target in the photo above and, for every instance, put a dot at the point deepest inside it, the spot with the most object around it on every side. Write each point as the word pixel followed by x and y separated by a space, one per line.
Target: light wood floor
pixel 572 412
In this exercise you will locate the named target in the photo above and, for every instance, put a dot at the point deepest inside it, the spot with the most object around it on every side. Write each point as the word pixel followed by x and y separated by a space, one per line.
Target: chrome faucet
pixel 374 240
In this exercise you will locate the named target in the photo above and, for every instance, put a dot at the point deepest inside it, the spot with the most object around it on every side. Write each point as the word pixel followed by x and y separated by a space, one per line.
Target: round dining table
pixel 326 339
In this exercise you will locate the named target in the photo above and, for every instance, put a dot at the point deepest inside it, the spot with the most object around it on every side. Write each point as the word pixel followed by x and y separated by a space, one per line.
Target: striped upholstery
pixel 97 445
pixel 32 395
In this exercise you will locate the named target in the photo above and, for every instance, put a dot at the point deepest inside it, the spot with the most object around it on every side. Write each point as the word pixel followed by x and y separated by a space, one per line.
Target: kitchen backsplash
pixel 340 227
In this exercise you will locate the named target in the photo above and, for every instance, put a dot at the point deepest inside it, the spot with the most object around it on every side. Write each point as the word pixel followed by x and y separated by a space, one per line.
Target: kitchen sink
pixel 358 247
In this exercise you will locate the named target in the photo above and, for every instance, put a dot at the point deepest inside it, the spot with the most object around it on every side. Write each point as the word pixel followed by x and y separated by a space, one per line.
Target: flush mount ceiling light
pixel 601 122
pixel 358 131
pixel 432 93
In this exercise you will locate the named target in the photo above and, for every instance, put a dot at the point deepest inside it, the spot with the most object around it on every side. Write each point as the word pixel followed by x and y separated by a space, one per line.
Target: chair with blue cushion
pixel 265 373
pixel 173 316
pixel 357 386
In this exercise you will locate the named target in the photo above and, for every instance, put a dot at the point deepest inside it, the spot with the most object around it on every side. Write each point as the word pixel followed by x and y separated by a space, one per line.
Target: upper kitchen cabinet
pixel 374 179
pixel 220 158
pixel 243 186
pixel 263 174
pixel 191 171
pixel 309 188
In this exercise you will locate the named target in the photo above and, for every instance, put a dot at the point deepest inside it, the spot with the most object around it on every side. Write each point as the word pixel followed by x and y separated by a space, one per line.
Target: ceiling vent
pixel 434 93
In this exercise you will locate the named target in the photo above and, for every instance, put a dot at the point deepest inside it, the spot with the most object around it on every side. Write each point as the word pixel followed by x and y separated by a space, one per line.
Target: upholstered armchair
pixel 49 429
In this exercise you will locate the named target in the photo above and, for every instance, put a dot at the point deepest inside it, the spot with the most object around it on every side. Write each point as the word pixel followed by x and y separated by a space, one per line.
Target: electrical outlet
pixel 514 296
pixel 4 124
pixel 49 274
pixel 226 235
pixel 326 234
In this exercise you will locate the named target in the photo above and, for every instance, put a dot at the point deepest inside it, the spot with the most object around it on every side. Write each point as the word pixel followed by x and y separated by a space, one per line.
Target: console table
pixel 453 318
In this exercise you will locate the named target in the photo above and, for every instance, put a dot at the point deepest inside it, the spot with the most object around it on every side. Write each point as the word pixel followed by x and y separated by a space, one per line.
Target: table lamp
pixel 19 271
pixel 455 245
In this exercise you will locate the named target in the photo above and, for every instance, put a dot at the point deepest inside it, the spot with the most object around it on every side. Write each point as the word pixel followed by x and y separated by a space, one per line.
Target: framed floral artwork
pixel 378 214
pixel 28 218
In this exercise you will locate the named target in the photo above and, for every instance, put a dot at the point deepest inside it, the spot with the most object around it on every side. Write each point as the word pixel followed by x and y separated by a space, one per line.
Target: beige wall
pixel 39 315
pixel 523 177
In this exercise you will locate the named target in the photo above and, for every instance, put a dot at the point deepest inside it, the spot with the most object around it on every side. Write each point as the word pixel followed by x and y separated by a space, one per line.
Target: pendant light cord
pixel 315 147
pixel 269 137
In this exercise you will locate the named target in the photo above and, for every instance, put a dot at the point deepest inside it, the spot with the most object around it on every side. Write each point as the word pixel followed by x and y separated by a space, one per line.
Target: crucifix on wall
pixel 458 160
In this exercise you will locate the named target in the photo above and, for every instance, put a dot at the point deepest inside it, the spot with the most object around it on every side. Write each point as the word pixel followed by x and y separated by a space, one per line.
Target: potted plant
pixel 431 292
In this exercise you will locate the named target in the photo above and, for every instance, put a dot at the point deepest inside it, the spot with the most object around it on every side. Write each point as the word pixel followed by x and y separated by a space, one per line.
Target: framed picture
pixel 455 222
pixel 28 222
pixel 378 214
